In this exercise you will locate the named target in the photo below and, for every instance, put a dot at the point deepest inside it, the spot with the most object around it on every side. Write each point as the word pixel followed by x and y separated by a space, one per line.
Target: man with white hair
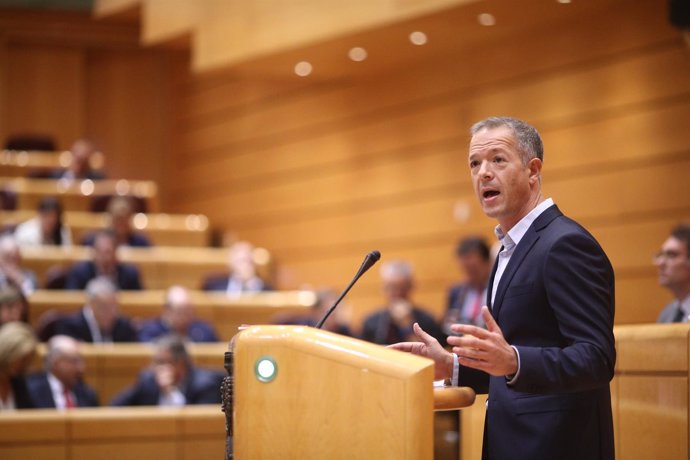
pixel 393 322
pixel 61 385
pixel 99 321
pixel 178 318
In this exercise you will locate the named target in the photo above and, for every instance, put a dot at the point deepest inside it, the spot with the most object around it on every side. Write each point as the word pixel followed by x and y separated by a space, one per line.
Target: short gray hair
pixel 396 268
pixel 99 286
pixel 528 138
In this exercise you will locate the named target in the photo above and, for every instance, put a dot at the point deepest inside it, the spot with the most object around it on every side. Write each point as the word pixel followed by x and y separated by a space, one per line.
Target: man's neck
pixel 510 221
pixel 681 292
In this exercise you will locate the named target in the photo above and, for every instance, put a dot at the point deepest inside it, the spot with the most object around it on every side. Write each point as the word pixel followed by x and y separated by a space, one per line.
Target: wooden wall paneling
pixel 46 92
pixel 127 101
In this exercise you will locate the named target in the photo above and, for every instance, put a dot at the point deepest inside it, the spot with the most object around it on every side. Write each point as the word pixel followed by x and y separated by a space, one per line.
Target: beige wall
pixel 321 172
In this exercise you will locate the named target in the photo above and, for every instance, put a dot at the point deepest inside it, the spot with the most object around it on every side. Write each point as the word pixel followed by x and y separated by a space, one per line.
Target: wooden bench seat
pixel 129 433
pixel 163 229
pixel 225 313
pixel 77 195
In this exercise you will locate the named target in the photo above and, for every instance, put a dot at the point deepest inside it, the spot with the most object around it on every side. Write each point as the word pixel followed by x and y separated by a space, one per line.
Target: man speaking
pixel 548 353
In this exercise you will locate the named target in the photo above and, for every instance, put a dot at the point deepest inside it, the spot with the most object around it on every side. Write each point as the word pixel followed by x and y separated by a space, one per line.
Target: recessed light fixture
pixel 564 1
pixel 418 38
pixel 303 68
pixel 486 19
pixel 357 54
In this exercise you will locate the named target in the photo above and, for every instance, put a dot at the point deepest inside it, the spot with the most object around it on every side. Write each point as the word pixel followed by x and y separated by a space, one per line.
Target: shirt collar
pixel 685 306
pixel 515 234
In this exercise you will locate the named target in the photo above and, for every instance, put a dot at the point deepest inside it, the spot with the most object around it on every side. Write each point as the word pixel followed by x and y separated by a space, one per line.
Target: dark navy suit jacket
pixel 22 396
pixel 379 328
pixel 83 272
pixel 555 304
pixel 198 331
pixel 75 325
pixel 202 387
pixel 42 395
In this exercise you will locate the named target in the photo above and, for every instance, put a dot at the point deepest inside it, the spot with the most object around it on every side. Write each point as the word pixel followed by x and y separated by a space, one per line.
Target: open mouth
pixel 490 193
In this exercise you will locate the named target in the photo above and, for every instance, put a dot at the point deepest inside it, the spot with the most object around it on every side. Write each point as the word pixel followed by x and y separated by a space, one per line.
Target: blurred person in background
pixel 243 277
pixel 178 318
pixel 673 264
pixel 104 263
pixel 119 215
pixel 80 163
pixel 99 321
pixel 61 385
pixel 47 228
pixel 11 269
pixel 393 322
pixel 17 352
pixel 13 304
pixel 172 379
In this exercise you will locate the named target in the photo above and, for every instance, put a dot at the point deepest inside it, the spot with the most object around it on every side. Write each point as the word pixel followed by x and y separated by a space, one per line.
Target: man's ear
pixel 534 166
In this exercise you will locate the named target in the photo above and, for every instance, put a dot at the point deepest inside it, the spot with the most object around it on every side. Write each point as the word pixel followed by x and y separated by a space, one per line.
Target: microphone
pixel 369 261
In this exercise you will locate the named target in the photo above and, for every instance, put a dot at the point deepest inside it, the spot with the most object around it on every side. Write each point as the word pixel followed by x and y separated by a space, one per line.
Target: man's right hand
pixel 428 347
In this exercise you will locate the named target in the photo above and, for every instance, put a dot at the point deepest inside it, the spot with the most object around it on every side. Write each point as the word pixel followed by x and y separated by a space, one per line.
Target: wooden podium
pixel 302 393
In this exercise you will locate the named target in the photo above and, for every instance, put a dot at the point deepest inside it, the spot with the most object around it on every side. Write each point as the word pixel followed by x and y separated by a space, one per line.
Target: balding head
pixel 64 360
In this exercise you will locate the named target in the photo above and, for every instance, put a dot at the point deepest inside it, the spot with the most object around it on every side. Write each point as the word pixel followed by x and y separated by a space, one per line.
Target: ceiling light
pixel 303 68
pixel 357 54
pixel 486 19
pixel 418 38
pixel 563 1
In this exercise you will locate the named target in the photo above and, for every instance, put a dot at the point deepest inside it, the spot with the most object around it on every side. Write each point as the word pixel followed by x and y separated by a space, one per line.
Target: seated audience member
pixel 465 300
pixel 11 269
pixel 99 320
pixel 80 163
pixel 178 318
pixel 673 263
pixel 61 386
pixel 393 322
pixel 104 263
pixel 120 223
pixel 13 305
pixel 46 228
pixel 325 298
pixel 172 380
pixel 17 352
pixel 243 277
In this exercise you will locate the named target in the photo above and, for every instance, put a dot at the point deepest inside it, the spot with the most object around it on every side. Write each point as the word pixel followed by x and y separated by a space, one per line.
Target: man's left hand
pixel 484 349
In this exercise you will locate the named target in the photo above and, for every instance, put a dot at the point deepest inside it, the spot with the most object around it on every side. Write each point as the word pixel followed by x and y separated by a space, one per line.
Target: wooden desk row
pixel 649 395
pixel 23 163
pixel 163 229
pixel 129 433
pixel 160 266
pixel 225 313
pixel 77 195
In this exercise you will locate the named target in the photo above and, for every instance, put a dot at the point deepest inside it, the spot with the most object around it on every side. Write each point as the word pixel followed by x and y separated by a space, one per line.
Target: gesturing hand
pixel 484 349
pixel 429 348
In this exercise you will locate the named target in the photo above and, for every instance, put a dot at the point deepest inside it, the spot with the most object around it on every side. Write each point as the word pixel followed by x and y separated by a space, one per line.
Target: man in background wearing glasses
pixel 673 263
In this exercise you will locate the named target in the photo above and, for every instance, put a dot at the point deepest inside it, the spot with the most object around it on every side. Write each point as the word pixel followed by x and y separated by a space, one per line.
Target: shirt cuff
pixel 456 371
pixel 511 379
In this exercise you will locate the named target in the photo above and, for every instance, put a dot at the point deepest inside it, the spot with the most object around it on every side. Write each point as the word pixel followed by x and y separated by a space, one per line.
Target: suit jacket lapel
pixel 526 243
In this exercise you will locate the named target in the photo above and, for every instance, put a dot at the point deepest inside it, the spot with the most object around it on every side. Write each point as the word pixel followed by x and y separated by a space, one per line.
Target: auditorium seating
pixel 225 313
pixel 162 229
pixel 130 433
pixel 77 195
pixel 160 266
pixel 39 163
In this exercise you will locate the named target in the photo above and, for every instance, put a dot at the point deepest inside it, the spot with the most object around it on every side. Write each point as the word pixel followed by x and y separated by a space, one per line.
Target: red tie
pixel 69 400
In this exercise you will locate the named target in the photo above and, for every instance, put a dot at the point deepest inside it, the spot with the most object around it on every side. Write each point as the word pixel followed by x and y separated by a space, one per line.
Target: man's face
pixel 503 183
pixel 68 366
pixel 180 316
pixel 475 268
pixel 397 288
pixel 105 309
pixel 104 253
pixel 167 368
pixel 673 265
pixel 11 311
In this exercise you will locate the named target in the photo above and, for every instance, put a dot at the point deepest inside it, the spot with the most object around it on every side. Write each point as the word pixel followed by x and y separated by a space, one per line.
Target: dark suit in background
pixel 22 396
pixel 83 272
pixel 198 331
pixel 379 327
pixel 202 386
pixel 75 326
pixel 555 304
pixel 42 394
